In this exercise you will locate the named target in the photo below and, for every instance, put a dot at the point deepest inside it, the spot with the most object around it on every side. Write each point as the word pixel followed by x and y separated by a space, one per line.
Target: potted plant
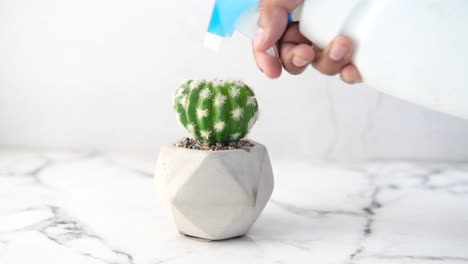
pixel 216 184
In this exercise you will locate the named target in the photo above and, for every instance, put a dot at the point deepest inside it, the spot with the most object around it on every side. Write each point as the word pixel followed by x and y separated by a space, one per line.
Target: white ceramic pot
pixel 214 194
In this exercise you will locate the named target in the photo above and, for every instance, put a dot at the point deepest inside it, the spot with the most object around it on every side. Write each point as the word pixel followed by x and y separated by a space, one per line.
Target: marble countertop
pixel 71 207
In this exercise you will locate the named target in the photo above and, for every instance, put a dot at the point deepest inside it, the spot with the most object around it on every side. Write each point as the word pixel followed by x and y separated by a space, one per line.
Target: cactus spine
pixel 216 111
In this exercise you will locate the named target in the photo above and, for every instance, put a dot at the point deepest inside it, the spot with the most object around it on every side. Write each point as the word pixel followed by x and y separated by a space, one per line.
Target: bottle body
pixel 415 50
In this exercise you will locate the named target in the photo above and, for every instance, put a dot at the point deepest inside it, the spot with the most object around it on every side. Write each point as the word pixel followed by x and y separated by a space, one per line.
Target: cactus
pixel 216 111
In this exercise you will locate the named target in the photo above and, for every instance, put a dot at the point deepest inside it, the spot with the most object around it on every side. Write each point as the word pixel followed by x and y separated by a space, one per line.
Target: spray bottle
pixel 415 50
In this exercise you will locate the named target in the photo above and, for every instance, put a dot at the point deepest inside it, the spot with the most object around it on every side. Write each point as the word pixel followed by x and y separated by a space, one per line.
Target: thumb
pixel 273 20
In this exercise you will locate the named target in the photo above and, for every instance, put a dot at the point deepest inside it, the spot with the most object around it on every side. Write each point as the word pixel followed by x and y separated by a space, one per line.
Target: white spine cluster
pixel 253 120
pixel 235 91
pixel 237 113
pixel 202 113
pixel 195 84
pixel 251 101
pixel 191 128
pixel 219 100
pixel 183 101
pixel 219 126
pixel 205 134
pixel 235 136
pixel 205 93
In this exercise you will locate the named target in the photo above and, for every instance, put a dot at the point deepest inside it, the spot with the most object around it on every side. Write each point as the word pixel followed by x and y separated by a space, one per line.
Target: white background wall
pixel 100 74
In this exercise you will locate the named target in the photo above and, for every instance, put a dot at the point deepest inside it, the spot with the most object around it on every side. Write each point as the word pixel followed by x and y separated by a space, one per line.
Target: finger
pixel 296 58
pixel 296 50
pixel 335 56
pixel 350 74
pixel 269 65
pixel 272 22
pixel 273 19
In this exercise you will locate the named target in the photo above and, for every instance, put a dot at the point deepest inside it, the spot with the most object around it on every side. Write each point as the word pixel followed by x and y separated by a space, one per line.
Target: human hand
pixel 296 51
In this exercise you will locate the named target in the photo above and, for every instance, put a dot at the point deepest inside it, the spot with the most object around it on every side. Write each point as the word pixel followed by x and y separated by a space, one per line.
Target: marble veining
pixel 73 207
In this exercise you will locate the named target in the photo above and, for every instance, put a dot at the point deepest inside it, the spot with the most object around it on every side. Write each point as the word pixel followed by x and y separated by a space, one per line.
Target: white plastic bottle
pixel 416 50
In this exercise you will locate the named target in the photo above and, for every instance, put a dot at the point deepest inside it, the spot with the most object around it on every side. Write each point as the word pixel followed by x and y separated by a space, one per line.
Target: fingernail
pixel 355 81
pixel 359 80
pixel 338 52
pixel 299 62
pixel 259 37
pixel 345 81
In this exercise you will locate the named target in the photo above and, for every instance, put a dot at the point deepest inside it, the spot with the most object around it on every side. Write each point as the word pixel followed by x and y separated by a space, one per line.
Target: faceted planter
pixel 214 194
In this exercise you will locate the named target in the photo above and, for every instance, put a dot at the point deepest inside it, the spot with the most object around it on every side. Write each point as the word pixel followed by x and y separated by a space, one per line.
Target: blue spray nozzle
pixel 231 15
pixel 224 19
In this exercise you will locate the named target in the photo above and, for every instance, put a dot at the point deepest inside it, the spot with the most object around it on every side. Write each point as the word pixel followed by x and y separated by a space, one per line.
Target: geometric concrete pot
pixel 214 194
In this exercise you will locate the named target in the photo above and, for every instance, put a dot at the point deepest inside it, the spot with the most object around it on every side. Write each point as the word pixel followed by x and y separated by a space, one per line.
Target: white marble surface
pixel 96 208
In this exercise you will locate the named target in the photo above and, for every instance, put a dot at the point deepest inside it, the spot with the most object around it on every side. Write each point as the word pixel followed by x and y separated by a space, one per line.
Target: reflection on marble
pixel 94 208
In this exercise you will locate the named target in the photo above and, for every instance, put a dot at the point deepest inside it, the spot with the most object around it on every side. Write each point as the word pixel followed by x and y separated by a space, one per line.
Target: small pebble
pixel 195 144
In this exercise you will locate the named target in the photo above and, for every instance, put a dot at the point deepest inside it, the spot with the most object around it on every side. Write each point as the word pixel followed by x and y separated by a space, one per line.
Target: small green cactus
pixel 216 111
